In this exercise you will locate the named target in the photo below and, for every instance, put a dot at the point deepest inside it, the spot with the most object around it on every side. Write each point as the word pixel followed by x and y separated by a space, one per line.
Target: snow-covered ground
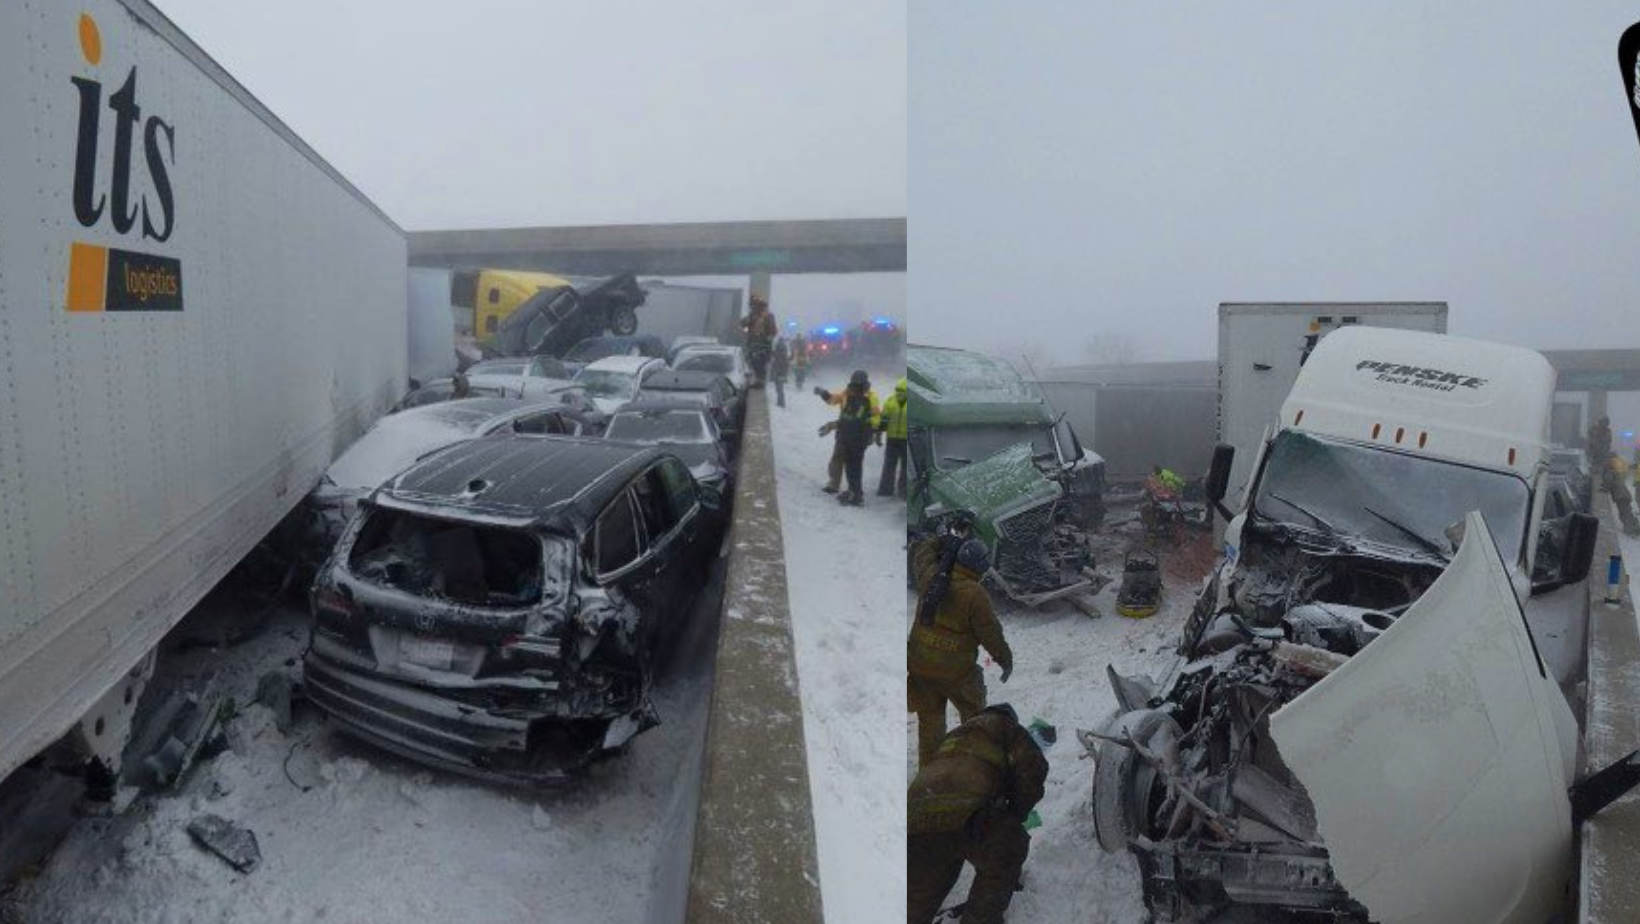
pixel 1060 656
pixel 351 834
pixel 1059 676
pixel 845 572
pixel 1630 550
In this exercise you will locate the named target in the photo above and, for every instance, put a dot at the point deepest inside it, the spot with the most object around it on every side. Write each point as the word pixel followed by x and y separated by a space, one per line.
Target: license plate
pixel 428 652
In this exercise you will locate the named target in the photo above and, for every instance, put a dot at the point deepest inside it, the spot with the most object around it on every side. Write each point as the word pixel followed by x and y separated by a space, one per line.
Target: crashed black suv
pixel 497 609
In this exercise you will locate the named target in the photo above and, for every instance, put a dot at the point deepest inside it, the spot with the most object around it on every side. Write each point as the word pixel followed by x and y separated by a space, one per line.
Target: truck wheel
pixel 1127 790
pixel 623 321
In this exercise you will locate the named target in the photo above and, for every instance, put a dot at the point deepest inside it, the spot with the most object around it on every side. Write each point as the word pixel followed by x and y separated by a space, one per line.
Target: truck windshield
pixel 955 447
pixel 1390 498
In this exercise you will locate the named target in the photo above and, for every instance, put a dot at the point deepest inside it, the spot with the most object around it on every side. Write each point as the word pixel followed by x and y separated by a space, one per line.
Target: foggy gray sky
pixel 492 114
pixel 1113 171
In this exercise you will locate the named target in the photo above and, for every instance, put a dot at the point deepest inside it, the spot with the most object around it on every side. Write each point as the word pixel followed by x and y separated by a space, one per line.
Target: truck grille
pixel 1021 556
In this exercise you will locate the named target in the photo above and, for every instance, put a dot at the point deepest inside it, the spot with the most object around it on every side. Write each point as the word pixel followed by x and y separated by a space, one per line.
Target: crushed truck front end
pixel 982 440
pixel 1394 510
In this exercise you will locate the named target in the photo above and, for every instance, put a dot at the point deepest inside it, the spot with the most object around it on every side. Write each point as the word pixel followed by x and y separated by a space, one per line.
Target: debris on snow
pixel 233 843
pixel 277 691
pixel 186 723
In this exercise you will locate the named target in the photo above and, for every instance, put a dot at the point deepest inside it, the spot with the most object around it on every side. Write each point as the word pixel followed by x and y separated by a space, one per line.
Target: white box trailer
pixel 1263 344
pixel 196 314
pixel 432 325
pixel 673 310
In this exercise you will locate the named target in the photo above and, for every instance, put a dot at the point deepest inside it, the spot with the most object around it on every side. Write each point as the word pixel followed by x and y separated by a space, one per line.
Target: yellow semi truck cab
pixel 495 294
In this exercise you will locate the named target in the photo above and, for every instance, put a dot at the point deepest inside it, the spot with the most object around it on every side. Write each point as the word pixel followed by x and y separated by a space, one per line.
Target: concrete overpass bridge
pixel 1595 372
pixel 757 249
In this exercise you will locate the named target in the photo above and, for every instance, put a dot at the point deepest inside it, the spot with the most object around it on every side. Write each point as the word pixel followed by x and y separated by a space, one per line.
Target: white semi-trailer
pixel 196 314
pixel 1262 345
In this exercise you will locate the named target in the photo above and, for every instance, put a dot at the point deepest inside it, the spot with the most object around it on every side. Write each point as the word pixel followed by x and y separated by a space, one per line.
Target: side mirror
pixel 1578 553
pixel 1218 478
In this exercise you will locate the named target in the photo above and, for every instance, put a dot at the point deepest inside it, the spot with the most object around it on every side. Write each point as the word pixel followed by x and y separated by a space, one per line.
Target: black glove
pixel 822 392
pixel 1007 671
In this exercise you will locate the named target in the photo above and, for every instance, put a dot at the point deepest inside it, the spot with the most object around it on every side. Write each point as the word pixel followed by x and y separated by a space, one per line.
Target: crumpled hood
pixel 1436 761
pixel 1000 484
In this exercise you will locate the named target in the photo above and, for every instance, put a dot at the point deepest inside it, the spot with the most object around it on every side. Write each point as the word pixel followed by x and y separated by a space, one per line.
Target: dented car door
pixel 1436 758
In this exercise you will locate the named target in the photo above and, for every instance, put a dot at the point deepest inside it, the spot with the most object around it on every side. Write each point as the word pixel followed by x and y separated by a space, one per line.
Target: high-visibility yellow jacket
pixel 868 411
pixel 893 417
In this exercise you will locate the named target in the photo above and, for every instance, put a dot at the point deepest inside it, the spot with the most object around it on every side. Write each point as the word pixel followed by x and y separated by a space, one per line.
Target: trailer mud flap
pixel 1434 760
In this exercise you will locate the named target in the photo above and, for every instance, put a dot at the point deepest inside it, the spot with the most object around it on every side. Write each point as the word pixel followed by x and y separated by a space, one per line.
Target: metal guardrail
pixel 1609 854
pixel 755 859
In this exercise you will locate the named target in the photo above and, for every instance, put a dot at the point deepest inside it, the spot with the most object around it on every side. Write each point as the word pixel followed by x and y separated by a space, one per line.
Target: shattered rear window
pixel 465 563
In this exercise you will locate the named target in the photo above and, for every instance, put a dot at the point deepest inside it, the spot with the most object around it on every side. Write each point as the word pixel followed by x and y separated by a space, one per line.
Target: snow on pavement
pixel 845 575
pixel 1060 656
pixel 1629 548
pixel 355 835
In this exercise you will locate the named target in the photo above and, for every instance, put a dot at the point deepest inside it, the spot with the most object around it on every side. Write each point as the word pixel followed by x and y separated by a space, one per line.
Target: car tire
pixel 623 321
pixel 1126 788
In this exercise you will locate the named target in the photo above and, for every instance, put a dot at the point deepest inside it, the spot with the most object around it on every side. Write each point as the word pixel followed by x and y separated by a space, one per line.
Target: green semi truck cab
pixel 984 440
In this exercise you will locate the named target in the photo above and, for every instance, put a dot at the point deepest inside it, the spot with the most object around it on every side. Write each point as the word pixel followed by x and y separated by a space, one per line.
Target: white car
pixel 526 377
pixel 724 360
pixel 398 440
pixel 614 380
pixel 681 343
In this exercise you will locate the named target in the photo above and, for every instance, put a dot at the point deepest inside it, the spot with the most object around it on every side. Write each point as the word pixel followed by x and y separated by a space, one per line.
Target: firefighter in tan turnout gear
pixel 954 620
pixel 969 804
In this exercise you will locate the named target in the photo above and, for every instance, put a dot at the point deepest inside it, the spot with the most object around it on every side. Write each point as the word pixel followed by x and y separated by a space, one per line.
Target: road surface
pixel 846 578
pixel 350 834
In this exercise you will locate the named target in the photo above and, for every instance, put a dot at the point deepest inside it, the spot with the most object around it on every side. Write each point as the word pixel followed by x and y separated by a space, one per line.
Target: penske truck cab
pixel 1364 642
pixel 1360 489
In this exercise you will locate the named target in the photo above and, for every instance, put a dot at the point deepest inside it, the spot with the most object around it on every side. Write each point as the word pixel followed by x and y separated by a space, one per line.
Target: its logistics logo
pixel 109 278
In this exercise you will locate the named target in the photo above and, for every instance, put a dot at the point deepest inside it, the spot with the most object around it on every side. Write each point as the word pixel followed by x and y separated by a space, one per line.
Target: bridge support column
pixel 759 283
pixel 1597 406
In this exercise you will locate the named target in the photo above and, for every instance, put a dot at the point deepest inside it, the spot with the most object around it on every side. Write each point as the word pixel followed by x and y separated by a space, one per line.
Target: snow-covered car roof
pixel 630 365
pixel 526 480
pixel 400 439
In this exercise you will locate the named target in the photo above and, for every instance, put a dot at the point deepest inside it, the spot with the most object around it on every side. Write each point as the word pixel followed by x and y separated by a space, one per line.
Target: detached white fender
pixel 1435 759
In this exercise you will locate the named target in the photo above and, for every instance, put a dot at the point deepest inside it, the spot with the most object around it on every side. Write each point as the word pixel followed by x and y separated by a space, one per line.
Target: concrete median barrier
pixel 754 854
pixel 1609 891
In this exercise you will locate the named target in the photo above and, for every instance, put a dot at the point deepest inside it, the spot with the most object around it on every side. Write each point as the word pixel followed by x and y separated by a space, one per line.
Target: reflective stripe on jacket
pixel 964 622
